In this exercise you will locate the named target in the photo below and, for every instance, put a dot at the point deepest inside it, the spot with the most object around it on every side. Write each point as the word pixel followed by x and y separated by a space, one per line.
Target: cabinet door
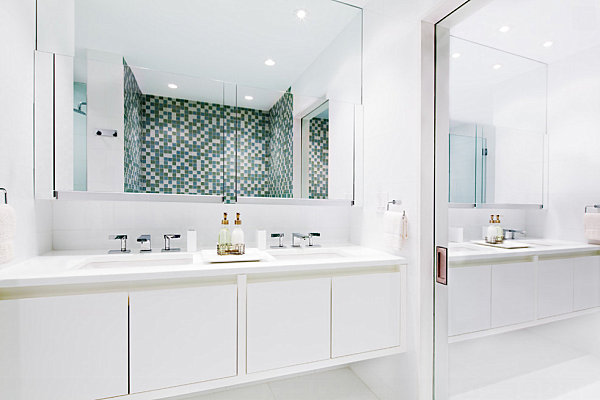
pixel 469 299
pixel 513 293
pixel 64 348
pixel 586 282
pixel 180 336
pixel 365 313
pixel 287 323
pixel 555 287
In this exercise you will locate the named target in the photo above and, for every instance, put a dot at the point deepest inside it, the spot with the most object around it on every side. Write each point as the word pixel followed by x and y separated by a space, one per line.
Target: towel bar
pixel 596 206
pixel 5 195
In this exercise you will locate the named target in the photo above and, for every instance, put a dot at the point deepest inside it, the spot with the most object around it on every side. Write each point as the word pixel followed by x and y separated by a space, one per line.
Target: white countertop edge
pixel 491 253
pixel 20 275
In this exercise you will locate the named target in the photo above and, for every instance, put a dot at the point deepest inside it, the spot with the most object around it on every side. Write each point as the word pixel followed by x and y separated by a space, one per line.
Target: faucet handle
pixel 310 238
pixel 168 237
pixel 123 239
pixel 145 242
pixel 280 236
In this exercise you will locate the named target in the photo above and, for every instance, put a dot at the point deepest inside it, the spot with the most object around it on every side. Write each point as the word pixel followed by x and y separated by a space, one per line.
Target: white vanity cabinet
pixel 469 296
pixel 182 335
pixel 365 313
pixel 288 323
pixel 63 347
pixel 586 282
pixel 555 287
pixel 513 293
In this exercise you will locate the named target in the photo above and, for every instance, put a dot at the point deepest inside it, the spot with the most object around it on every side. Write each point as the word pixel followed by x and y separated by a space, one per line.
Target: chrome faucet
pixel 168 238
pixel 299 236
pixel 123 239
pixel 509 234
pixel 280 236
pixel 145 242
pixel 310 238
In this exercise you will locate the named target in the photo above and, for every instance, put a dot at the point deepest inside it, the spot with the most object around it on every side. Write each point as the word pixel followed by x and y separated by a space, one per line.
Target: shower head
pixel 78 110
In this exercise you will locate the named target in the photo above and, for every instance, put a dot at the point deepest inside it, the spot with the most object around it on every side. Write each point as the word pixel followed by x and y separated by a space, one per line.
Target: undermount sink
pixel 138 263
pixel 305 254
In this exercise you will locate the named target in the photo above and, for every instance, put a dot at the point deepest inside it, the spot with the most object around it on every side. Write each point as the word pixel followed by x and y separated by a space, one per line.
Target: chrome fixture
pixel 168 238
pixel 146 243
pixel 5 195
pixel 78 110
pixel 595 206
pixel 310 238
pixel 123 239
pixel 509 234
pixel 280 236
pixel 299 236
pixel 394 202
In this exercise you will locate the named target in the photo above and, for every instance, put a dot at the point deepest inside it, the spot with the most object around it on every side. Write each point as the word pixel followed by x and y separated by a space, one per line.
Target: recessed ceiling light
pixel 504 28
pixel 248 97
pixel 497 66
pixel 549 43
pixel 455 55
pixel 301 14
pixel 269 62
pixel 172 86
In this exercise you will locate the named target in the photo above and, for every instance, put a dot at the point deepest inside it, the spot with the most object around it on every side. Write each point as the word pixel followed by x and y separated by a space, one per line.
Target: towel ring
pixel 594 206
pixel 5 195
pixel 392 202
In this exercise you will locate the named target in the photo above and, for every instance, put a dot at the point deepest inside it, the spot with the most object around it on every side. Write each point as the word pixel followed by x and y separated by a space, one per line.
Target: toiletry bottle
pixel 490 236
pixel 224 240
pixel 404 225
pixel 499 230
pixel 237 236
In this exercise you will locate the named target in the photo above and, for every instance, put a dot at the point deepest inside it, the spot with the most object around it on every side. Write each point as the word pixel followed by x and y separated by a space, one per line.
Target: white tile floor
pixel 338 384
pixel 557 361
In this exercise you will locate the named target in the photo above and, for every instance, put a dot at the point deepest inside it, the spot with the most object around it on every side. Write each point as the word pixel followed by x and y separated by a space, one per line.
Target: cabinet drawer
pixel 288 323
pixel 181 336
pixel 365 313
pixel 469 299
pixel 513 293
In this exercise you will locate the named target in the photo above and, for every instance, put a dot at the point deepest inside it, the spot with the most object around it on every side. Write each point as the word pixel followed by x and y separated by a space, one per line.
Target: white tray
pixel 211 256
pixel 507 244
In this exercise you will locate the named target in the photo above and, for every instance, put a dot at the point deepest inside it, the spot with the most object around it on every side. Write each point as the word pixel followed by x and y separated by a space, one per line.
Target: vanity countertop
pixel 68 267
pixel 471 252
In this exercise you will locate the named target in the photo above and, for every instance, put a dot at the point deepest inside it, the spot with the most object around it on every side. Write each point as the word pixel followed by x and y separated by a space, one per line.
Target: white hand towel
pixel 8 223
pixel 7 252
pixel 392 230
pixel 592 226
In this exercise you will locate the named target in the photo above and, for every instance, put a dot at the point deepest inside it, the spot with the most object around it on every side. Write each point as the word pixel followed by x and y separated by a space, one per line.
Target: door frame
pixel 433 354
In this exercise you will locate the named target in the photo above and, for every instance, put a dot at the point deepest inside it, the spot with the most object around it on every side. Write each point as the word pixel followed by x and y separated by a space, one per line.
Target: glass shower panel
pixel 462 175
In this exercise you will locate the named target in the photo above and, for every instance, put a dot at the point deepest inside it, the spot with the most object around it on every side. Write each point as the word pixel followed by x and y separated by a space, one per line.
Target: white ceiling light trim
pixel 455 55
pixel 249 98
pixel 548 43
pixel 269 62
pixel 172 86
pixel 504 28
pixel 497 66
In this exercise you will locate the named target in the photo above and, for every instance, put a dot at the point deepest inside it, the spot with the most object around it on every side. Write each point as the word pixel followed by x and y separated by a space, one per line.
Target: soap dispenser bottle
pixel 499 230
pixel 224 240
pixel 491 234
pixel 237 236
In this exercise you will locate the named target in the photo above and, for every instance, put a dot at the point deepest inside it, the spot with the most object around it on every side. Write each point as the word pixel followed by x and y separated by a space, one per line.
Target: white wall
pixel 574 144
pixel 392 156
pixel 87 224
pixel 17 44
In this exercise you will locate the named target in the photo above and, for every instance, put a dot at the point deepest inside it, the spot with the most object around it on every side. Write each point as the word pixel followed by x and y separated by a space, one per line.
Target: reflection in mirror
pixel 497 126
pixel 315 153
pixel 153 111
pixel 142 135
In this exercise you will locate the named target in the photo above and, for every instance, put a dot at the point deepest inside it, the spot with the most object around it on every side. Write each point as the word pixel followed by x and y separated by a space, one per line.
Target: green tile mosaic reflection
pixel 318 170
pixel 189 147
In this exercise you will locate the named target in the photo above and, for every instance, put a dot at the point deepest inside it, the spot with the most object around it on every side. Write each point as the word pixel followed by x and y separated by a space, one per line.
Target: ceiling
pixel 226 40
pixel 571 25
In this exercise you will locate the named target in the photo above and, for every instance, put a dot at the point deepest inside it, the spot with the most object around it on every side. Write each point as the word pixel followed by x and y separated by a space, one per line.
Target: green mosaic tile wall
pixel 279 172
pixel 318 170
pixel 133 132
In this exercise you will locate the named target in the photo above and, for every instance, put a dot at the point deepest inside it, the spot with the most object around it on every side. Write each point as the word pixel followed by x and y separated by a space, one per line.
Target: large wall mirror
pixel 228 99
pixel 497 126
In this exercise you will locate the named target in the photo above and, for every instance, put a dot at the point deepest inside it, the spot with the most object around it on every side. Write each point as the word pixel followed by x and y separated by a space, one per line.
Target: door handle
pixel 441 263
